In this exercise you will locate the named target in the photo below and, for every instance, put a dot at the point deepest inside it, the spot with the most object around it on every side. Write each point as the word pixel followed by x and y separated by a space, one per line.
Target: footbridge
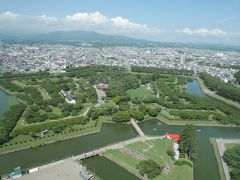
pixel 137 128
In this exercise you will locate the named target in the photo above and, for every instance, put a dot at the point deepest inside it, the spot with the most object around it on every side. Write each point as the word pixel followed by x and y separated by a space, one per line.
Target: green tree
pixel 121 116
pixel 150 168
pixel 188 141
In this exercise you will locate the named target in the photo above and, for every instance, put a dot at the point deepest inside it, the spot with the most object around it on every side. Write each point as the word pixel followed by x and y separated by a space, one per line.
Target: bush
pixel 183 162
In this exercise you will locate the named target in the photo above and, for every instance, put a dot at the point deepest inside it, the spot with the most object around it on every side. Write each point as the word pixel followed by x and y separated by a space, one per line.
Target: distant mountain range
pixel 93 39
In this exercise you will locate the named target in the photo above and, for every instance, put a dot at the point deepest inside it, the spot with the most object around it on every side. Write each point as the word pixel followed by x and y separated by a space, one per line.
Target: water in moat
pixel 5 102
pixel 194 88
pixel 112 133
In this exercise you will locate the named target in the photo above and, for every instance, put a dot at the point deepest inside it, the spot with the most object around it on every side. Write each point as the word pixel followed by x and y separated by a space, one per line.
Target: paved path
pixel 100 94
pixel 60 170
pixel 221 149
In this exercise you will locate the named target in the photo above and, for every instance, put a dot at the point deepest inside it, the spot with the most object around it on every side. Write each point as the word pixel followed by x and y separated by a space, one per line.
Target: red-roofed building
pixel 173 136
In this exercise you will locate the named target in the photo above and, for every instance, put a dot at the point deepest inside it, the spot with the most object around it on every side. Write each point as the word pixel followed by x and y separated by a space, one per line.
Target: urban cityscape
pixel 35 58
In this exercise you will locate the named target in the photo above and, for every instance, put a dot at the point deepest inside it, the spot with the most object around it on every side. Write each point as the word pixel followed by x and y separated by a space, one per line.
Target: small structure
pixel 173 136
pixel 17 172
pixel 176 150
pixel 33 170
pixel 44 133
pixel 67 97
pixel 102 86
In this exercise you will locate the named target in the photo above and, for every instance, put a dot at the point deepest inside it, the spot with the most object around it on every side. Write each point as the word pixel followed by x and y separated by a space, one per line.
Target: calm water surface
pixel 194 88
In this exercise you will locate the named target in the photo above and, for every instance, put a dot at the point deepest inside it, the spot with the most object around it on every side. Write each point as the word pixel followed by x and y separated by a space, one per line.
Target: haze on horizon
pixel 184 21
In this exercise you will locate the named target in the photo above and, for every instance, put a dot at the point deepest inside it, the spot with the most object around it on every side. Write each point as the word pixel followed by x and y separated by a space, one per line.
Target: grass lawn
pixel 44 93
pixel 229 145
pixel 124 160
pixel 141 92
pixel 155 150
pixel 19 84
pixel 12 100
pixel 55 110
pixel 217 155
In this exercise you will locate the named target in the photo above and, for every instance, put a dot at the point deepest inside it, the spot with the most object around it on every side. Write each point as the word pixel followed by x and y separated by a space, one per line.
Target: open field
pixel 152 149
pixel 155 149
pixel 141 92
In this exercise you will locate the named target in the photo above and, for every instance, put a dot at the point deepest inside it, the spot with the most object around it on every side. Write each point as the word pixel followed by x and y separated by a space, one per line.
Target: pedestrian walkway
pixel 137 128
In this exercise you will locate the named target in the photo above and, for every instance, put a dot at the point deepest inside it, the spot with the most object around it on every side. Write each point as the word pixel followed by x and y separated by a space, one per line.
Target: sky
pixel 197 21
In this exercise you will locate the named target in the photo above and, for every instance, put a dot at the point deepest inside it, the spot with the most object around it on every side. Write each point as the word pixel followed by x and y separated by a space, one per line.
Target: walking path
pixel 101 95
pixel 221 148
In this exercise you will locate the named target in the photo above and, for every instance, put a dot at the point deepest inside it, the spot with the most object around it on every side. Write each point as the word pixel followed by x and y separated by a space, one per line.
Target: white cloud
pixel 94 21
pixel 202 32
pixel 126 24
pixel 87 18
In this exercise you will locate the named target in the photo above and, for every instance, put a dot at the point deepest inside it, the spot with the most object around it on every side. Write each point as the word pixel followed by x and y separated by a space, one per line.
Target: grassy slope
pixel 27 141
pixel 217 155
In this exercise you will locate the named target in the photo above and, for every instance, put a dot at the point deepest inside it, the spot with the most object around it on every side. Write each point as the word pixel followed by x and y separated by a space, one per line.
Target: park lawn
pixel 12 100
pixel 157 152
pixel 154 149
pixel 183 172
pixel 19 84
pixel 55 110
pixel 141 92
pixel 44 93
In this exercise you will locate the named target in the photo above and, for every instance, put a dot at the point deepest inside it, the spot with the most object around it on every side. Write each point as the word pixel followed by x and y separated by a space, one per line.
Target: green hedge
pixel 46 125
pixel 183 162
